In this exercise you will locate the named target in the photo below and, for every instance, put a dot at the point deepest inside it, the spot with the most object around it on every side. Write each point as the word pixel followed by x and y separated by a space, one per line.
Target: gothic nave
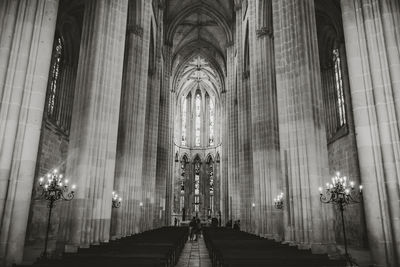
pixel 147 113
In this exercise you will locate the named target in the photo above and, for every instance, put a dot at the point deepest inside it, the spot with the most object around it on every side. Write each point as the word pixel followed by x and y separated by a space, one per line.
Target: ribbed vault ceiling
pixel 199 31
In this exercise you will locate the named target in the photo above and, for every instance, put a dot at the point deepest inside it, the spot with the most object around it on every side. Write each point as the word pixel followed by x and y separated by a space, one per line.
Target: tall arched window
pixel 54 79
pixel 197 185
pixel 197 119
pixel 184 116
pixel 339 88
pixel 211 187
pixel 212 119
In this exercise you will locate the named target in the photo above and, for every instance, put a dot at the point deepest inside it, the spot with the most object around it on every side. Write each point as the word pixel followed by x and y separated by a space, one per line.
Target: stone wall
pixel 53 149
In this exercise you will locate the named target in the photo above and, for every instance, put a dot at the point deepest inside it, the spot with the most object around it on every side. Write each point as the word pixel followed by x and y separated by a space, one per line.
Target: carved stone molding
pixel 246 75
pixel 264 31
pixel 230 44
pixel 135 29
pixel 238 6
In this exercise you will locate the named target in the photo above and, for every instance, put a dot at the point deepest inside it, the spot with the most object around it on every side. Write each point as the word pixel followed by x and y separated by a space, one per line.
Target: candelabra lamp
pixel 278 201
pixel 341 193
pixel 54 189
pixel 116 200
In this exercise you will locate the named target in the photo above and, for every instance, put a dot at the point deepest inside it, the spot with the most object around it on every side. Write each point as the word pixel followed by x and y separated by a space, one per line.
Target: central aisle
pixel 194 254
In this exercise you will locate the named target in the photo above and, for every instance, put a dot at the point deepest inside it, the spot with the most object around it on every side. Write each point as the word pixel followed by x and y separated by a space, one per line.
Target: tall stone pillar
pixel 164 160
pixel 232 135
pixel 224 131
pixel 244 124
pixel 93 138
pixel 172 111
pixel 264 119
pixel 26 41
pixel 301 124
pixel 151 130
pixel 372 35
pixel 129 165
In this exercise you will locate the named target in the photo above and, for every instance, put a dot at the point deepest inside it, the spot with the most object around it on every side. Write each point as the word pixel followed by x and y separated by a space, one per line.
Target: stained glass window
pixel 339 88
pixel 197 187
pixel 211 187
pixel 212 118
pixel 55 73
pixel 198 119
pixel 184 116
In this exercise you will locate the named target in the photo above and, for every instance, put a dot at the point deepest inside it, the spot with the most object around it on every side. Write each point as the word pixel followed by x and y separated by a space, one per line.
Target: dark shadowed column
pixel 26 38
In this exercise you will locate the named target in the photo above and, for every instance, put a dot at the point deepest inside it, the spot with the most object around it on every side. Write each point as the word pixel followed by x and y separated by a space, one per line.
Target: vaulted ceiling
pixel 199 28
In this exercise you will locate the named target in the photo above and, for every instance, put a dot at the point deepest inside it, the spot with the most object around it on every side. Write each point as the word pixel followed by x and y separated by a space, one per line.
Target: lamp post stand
pixel 341 193
pixel 56 188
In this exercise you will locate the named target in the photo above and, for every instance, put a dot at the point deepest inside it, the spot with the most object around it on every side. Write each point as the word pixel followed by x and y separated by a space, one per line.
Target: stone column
pixel 301 124
pixel 129 165
pixel 372 35
pixel 264 119
pixel 164 142
pixel 244 126
pixel 151 133
pixel 224 204
pixel 232 134
pixel 26 41
pixel 93 138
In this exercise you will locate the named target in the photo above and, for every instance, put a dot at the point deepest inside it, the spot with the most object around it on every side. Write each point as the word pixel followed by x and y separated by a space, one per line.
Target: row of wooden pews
pixel 230 248
pixel 155 248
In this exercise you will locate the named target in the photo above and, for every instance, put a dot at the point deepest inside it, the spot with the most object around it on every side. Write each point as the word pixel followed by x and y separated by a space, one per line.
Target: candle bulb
pixel 320 189
pixel 352 184
pixel 361 187
pixel 73 187
pixel 120 199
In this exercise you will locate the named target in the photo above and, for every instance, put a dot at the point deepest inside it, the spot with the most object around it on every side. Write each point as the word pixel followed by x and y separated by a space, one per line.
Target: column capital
pixel 135 29
pixel 238 6
pixel 246 75
pixel 264 31
pixel 229 44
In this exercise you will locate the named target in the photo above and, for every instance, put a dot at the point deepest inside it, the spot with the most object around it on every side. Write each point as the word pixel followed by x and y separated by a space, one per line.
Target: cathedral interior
pixel 147 113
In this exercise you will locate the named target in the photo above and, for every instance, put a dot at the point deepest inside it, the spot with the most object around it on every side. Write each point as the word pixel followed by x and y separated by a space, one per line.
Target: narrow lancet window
pixel 212 113
pixel 184 116
pixel 339 88
pixel 55 73
pixel 198 119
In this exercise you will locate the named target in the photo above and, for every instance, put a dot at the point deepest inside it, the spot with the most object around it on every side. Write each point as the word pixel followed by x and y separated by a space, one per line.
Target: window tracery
pixel 212 111
pixel 197 187
pixel 54 79
pixel 184 118
pixel 198 119
pixel 339 88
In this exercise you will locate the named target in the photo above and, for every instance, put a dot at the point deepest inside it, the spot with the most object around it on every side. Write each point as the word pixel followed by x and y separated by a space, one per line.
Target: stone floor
pixel 194 254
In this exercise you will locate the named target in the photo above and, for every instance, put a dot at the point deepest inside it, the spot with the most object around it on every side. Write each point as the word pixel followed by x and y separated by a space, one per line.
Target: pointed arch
pixel 201 8
pixel 185 157
pixel 209 158
pixel 217 158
